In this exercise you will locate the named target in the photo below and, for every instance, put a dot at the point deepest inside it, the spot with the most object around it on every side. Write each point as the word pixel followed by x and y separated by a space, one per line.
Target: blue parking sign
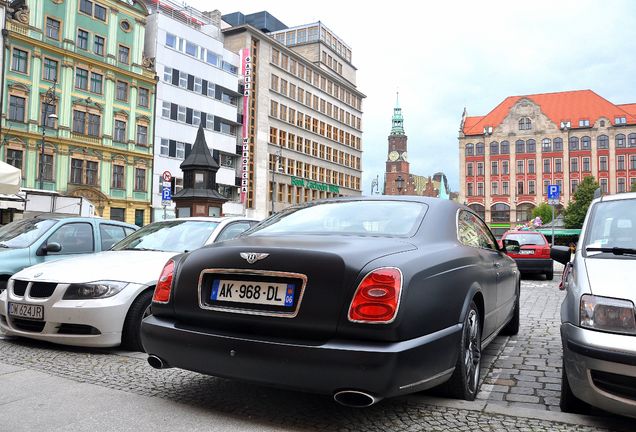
pixel 166 193
pixel 554 191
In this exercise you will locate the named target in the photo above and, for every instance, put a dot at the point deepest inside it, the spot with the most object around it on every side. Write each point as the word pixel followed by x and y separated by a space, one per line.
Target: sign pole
pixel 553 224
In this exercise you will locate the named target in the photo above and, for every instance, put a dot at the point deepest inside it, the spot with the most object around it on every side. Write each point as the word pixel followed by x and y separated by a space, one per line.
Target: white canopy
pixel 9 179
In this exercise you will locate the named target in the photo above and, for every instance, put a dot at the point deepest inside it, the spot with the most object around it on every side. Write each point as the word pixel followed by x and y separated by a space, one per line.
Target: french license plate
pixel 20 310
pixel 263 293
pixel 526 252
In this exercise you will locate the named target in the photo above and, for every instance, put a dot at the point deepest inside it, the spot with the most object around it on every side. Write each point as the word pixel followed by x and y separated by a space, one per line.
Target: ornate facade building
pixel 510 156
pixel 397 179
pixel 77 102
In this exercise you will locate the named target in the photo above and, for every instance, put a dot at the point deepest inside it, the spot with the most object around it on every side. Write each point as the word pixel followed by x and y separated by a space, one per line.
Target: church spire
pixel 397 127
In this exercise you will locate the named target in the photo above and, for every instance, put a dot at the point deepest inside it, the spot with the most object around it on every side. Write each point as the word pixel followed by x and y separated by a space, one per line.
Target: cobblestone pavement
pixel 519 372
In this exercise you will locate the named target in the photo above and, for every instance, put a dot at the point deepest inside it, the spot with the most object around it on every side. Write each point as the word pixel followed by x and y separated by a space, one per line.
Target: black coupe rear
pixel 360 298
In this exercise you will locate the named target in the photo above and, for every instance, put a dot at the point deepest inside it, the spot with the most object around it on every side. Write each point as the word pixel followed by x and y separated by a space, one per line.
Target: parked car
pixel 534 255
pixel 598 326
pixel 99 300
pixel 44 238
pixel 360 298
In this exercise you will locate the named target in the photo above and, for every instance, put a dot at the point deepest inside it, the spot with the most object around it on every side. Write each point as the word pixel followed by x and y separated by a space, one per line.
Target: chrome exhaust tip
pixel 355 398
pixel 157 362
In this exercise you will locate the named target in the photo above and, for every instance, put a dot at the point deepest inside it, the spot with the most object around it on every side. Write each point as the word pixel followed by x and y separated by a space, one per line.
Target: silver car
pixel 598 324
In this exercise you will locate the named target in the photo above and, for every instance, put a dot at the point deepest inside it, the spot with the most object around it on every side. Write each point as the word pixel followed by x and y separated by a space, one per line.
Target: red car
pixel 534 255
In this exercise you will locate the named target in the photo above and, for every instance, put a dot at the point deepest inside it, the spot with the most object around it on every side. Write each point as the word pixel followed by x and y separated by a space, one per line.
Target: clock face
pixel 393 156
pixel 403 155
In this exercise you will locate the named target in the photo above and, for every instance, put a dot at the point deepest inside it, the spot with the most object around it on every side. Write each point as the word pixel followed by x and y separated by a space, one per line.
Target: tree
pixel 574 214
pixel 544 211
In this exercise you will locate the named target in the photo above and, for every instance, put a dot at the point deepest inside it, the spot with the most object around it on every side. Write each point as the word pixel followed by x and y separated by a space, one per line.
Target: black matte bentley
pixel 360 298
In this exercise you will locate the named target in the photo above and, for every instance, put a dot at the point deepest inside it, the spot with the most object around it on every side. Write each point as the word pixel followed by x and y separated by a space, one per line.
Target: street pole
pixel 49 100
pixel 552 224
pixel 277 156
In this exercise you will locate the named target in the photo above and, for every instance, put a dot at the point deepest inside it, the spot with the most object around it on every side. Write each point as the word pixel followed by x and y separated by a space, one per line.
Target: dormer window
pixel 620 120
pixel 525 124
pixel 584 123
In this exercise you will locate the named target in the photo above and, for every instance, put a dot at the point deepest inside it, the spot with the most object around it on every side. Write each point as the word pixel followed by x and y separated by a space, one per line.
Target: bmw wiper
pixel 141 249
pixel 613 250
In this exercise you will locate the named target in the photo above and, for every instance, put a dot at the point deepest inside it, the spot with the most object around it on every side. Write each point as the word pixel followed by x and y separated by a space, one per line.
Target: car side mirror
pixel 511 245
pixel 561 254
pixel 51 247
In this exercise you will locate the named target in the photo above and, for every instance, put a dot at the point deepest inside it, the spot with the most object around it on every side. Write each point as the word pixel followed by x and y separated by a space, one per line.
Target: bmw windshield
pixel 24 233
pixel 611 228
pixel 171 236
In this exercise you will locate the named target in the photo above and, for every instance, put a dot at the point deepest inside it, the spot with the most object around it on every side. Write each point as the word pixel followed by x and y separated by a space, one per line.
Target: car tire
pixel 464 383
pixel 549 275
pixel 569 403
pixel 131 333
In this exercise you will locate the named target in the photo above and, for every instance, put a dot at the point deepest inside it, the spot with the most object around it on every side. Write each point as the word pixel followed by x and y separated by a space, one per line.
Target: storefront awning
pixel 10 178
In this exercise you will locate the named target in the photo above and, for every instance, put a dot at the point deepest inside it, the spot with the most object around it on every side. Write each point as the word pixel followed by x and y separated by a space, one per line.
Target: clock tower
pixel 397 166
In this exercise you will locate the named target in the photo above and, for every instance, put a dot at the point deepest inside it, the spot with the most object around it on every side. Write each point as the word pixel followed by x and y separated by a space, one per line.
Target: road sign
pixel 554 192
pixel 553 201
pixel 166 176
pixel 166 194
pixel 166 203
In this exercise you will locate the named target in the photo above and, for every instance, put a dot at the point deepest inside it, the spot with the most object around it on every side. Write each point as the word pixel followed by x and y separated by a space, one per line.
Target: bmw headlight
pixel 93 290
pixel 607 314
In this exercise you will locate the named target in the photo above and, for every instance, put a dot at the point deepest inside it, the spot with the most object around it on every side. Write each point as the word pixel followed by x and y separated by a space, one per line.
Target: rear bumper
pixel 381 369
pixel 534 265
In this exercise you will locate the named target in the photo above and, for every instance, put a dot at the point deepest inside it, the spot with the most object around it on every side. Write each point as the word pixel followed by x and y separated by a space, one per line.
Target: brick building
pixel 509 156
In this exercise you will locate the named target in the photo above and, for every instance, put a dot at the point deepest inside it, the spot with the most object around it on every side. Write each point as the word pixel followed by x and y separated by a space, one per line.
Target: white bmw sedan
pixel 99 300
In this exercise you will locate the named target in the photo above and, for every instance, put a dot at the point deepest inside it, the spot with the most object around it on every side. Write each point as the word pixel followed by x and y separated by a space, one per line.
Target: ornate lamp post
pixel 399 181
pixel 47 113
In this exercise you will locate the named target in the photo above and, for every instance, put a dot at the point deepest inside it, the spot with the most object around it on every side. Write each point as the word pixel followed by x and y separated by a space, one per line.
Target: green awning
pixel 559 231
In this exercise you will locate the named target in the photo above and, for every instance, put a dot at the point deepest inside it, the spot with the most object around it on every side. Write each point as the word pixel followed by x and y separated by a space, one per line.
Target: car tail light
pixel 378 296
pixel 164 284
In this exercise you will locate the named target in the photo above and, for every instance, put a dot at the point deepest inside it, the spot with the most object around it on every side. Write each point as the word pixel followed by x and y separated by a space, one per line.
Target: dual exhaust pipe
pixel 348 398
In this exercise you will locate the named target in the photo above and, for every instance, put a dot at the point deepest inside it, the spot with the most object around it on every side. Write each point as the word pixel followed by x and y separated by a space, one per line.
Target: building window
pixel 546 165
pixel 505 147
pixel 480 169
pixel 140 179
pixel 558 144
pixel 574 164
pixel 94 122
pixel 500 213
pixel 584 123
pixel 120 131
pixel 494 187
pixel 77 168
pixel 82 39
pixel 14 158
pixel 520 166
pixel 602 163
pixel 531 187
pixel 96 83
pixel 494 147
pixel 632 162
pixel 139 217
pixel 100 12
pixel 586 143
pixel 531 146
pixel 504 188
pixel 86 7
pixel 122 91
pixel 520 146
pixel 574 143
pixel 469 169
pixel 631 139
pixel 531 166
pixel 546 145
pixel 525 123
pixel 117 214
pixel 620 162
pixel 604 185
pixel 81 79
pixel 620 120
pixel 118 176
pixel 142 135
pixel 17 108
pixel 602 142
pixel 470 150
pixel 49 70
pixel 191 49
pixel 620 141
pixel 91 173
pixel 586 164
pixel 621 185
pixel 546 183
pixel 519 188
pixel 47 170
pixel 558 165
pixel 479 148
pixel 573 185
pixel 98 45
pixel 480 189
pixel 494 168
pixel 19 60
pixel 52 28
pixel 46 111
pixel 123 54
pixel 142 97
pixel 79 121
pixel 505 168
pixel 469 189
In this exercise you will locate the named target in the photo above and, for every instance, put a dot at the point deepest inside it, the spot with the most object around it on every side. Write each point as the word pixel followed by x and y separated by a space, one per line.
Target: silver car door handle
pixel 497 264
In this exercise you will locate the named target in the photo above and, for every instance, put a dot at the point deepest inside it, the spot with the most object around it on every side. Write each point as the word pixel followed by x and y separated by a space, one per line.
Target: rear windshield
pixel 390 218
pixel 527 238
pixel 24 233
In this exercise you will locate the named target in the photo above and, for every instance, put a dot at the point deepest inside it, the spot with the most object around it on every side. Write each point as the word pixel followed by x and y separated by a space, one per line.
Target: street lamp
pixel 399 181
pixel 49 105
pixel 276 167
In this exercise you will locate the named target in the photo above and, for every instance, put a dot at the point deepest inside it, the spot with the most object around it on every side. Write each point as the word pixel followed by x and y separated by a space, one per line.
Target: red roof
pixel 570 106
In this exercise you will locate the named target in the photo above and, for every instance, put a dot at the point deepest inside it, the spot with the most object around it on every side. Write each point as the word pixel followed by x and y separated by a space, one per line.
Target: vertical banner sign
pixel 246 71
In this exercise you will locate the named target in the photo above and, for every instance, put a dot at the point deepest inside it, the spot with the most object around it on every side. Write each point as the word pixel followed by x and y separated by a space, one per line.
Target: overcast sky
pixel 447 55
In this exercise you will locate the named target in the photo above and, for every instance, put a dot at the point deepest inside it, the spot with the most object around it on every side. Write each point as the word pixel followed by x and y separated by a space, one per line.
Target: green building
pixel 74 79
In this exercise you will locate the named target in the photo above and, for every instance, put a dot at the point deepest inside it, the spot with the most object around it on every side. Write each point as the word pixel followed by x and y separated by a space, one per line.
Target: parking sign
pixel 554 192
pixel 166 193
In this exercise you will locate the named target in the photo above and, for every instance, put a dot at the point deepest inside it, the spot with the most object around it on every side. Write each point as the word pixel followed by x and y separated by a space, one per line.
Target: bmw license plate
pixel 526 252
pixel 263 293
pixel 32 312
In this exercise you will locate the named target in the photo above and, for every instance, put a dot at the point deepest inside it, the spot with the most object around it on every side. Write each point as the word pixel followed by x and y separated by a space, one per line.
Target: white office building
pixel 198 83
